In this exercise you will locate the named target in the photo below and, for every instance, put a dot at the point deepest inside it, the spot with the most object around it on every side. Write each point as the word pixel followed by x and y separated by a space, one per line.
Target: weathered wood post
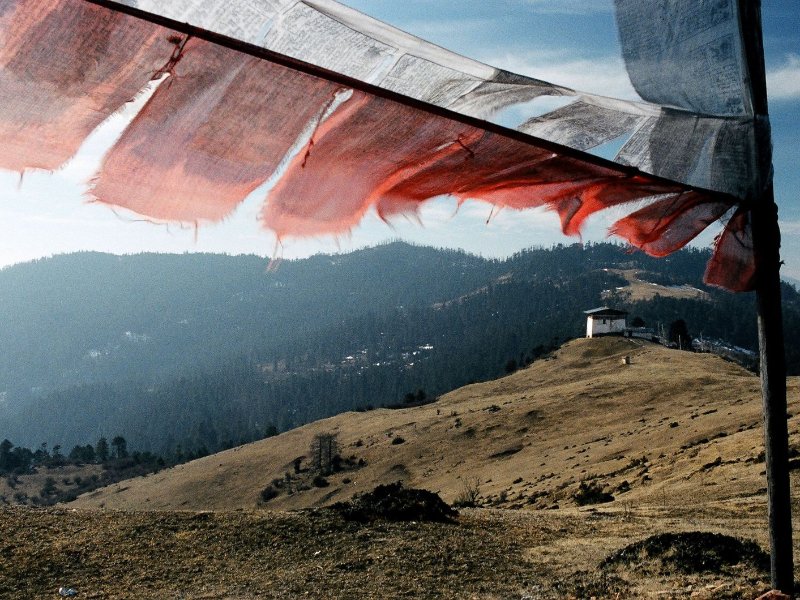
pixel 766 246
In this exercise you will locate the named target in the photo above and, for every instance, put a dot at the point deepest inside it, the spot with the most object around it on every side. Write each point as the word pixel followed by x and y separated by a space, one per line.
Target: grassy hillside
pixel 670 428
pixel 674 437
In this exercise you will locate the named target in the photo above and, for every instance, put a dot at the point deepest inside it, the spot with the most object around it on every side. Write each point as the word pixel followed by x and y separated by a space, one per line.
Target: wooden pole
pixel 766 247
pixel 766 241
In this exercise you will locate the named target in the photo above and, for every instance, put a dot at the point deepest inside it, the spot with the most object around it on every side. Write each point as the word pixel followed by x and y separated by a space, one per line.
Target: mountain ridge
pixel 195 353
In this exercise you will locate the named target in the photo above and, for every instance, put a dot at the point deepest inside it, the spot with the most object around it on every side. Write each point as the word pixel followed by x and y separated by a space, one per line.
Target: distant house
pixel 605 321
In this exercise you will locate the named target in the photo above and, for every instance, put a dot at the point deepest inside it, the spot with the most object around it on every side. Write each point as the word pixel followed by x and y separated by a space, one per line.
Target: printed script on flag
pixel 361 116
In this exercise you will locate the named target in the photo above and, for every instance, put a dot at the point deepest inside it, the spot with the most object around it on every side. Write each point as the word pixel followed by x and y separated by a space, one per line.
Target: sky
pixel 568 42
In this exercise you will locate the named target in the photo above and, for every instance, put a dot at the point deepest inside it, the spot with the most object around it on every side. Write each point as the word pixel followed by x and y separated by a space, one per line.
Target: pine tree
pixel 120 447
pixel 101 450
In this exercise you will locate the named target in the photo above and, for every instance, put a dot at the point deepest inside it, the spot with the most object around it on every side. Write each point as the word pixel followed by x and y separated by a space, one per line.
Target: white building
pixel 605 321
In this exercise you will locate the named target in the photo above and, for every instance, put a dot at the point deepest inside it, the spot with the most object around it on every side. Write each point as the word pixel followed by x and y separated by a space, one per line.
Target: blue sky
pixel 570 42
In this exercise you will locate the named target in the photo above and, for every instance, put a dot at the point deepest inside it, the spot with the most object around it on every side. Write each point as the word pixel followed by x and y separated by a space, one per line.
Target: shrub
pixel 394 502
pixel 470 492
pixel 591 493
pixel 268 493
pixel 397 440
pixel 320 482
pixel 49 488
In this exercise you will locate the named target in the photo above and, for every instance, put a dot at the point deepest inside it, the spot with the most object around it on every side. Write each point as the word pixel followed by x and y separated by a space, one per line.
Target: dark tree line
pixel 19 460
pixel 321 336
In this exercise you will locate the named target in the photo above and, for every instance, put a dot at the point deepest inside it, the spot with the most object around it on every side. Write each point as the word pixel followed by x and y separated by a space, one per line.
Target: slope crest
pixel 665 426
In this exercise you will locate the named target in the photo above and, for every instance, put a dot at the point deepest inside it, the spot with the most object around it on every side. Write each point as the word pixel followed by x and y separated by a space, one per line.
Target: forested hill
pixel 205 351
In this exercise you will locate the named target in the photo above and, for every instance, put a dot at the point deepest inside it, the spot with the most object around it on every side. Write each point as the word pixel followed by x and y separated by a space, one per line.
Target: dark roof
pixel 604 311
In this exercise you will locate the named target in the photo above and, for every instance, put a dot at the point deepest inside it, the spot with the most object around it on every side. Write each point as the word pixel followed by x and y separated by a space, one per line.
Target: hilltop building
pixel 605 321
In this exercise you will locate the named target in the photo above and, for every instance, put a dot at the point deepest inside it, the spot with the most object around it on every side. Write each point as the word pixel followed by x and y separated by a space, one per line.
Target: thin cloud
pixel 790 227
pixel 783 83
pixel 446 29
pixel 604 75
pixel 570 7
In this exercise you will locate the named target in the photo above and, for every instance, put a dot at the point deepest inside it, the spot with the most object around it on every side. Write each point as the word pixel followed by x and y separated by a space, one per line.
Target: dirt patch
pixel 593 584
pixel 690 552
pixel 641 288
pixel 507 452
pixel 604 347
pixel 393 502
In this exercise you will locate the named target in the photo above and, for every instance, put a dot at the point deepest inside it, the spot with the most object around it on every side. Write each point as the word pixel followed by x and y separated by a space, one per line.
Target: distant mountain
pixel 200 352
pixel 793 281
pixel 92 317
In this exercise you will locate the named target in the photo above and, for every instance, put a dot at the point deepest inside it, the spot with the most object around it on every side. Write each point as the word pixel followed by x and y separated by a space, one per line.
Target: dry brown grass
pixel 679 428
pixel 683 431
pixel 638 289
pixel 489 554
pixel 14 489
